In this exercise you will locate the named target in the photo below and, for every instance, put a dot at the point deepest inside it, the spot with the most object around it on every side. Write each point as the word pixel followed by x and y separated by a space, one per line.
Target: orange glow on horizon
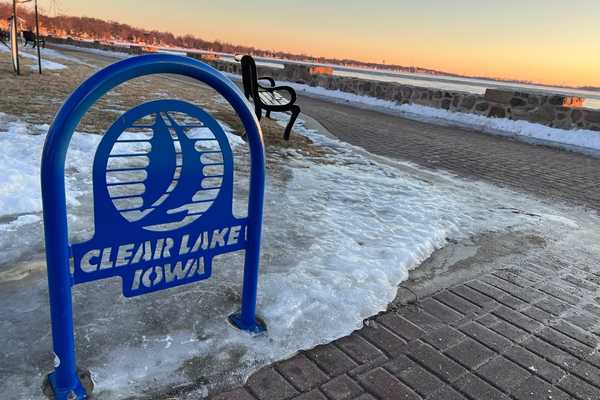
pixel 542 41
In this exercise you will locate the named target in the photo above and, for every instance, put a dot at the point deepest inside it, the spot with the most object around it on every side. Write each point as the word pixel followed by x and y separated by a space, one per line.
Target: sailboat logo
pixel 164 171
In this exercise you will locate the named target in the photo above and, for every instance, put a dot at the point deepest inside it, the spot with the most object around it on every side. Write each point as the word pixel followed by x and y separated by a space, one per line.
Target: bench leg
pixel 257 110
pixel 288 128
pixel 268 114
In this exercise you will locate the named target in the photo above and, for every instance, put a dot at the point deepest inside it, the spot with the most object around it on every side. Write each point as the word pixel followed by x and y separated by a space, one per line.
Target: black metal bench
pixel 30 37
pixel 269 98
pixel 4 37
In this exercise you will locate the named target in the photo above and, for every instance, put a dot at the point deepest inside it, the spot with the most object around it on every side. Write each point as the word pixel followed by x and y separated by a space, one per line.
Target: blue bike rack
pixel 163 192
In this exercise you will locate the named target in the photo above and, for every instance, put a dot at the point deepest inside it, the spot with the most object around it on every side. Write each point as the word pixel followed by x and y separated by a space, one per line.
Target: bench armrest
pixel 267 78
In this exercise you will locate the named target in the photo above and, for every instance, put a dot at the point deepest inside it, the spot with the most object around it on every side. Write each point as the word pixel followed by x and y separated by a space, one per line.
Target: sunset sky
pixel 548 41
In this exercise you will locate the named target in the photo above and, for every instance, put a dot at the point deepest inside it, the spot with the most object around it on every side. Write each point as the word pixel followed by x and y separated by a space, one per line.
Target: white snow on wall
pixel 570 139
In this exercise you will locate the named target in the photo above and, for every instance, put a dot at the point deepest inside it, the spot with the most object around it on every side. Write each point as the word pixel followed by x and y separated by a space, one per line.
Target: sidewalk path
pixel 544 171
pixel 521 326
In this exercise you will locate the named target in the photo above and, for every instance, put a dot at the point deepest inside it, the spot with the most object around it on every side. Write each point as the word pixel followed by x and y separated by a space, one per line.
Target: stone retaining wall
pixel 558 111
pixel 553 110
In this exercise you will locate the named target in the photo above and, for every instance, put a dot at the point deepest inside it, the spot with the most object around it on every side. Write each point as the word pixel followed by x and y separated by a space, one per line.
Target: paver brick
pixel 331 359
pixel 564 342
pixel 501 284
pixel 473 296
pixel 384 339
pixel 401 326
pixel 361 369
pixel 312 395
pixel 552 353
pixel 385 386
pixel 358 348
pixel 585 284
pixel 446 393
pixel 588 373
pixel 421 318
pixel 580 389
pixel 470 353
pixel 536 389
pixel 581 319
pixel 486 336
pixel 488 290
pixel 342 388
pixel 513 302
pixel 444 337
pixel 504 373
pixel 236 394
pixel 577 333
pixel 268 384
pixel 518 319
pixel 439 364
pixel 509 331
pixel 488 320
pixel 301 372
pixel 516 277
pixel 457 303
pixel 440 311
pixel 553 306
pixel 535 364
pixel 365 396
pixel 476 388
pixel 539 315
pixel 399 364
pixel 419 379
pixel 561 293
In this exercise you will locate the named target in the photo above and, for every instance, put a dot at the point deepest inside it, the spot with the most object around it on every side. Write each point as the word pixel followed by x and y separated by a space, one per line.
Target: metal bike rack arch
pixel 64 380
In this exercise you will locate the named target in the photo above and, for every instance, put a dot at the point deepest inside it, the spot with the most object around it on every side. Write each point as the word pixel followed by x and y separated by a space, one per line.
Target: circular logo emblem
pixel 164 170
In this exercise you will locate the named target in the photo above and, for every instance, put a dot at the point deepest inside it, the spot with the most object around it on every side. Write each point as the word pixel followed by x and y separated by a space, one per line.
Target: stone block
pixel 497 112
pixel 499 96
pixel 592 116
pixel 467 103
pixel 517 102
pixel 482 106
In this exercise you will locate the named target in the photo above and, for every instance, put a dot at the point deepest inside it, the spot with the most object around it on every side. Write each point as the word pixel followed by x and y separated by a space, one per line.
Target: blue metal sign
pixel 163 192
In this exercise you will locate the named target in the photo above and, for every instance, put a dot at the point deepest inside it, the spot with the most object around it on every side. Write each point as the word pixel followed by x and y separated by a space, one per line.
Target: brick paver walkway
pixel 526 332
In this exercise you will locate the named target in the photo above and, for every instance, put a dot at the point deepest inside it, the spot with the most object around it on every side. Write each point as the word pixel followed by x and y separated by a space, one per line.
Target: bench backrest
pixel 249 77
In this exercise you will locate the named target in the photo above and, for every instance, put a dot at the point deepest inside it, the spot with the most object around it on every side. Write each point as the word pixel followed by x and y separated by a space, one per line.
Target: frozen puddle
pixel 340 233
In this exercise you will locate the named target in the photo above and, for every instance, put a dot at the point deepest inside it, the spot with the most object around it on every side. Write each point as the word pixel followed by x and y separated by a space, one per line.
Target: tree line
pixel 98 29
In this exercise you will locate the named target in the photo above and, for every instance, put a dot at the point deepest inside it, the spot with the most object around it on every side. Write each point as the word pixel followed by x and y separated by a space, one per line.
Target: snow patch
pixel 579 139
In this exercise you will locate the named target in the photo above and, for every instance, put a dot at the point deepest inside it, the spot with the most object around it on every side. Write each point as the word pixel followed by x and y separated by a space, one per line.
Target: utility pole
pixel 37 37
pixel 14 31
